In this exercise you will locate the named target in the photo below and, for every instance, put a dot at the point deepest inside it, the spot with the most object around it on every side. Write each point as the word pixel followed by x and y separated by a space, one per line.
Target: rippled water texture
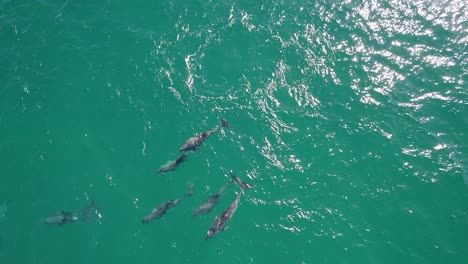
pixel 349 118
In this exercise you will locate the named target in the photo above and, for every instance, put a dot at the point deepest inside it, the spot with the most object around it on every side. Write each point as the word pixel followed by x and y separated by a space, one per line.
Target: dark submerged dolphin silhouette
pixel 173 164
pixel 159 211
pixel 210 203
pixel 162 209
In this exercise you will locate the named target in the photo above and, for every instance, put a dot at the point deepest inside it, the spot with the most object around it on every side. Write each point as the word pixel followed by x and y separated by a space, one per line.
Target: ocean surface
pixel 349 117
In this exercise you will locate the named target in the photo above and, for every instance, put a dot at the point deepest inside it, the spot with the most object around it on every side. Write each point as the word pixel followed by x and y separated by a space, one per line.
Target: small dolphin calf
pixel 242 184
pixel 173 164
pixel 219 223
pixel 210 203
pixel 159 211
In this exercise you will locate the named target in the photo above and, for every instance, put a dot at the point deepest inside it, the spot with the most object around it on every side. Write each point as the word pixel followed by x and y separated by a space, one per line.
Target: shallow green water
pixel 349 117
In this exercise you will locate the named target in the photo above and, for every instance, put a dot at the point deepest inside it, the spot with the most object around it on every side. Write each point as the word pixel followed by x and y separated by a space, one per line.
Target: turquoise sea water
pixel 350 117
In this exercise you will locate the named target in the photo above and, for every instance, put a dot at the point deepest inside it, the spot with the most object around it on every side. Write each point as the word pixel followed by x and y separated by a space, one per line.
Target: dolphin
pixel 219 223
pixel 173 164
pixel 210 203
pixel 193 142
pixel 159 211
pixel 242 184
pixel 64 217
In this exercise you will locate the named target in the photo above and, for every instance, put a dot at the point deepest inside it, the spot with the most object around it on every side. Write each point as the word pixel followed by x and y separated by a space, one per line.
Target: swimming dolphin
pixel 173 164
pixel 219 223
pixel 193 142
pixel 242 184
pixel 210 203
pixel 159 211
pixel 63 217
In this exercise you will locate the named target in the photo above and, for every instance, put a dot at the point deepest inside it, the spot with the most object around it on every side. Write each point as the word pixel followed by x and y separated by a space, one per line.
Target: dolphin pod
pixel 192 144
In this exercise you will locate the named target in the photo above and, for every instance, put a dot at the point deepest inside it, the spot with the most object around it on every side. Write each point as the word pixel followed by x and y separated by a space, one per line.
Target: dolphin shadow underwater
pixel 173 164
